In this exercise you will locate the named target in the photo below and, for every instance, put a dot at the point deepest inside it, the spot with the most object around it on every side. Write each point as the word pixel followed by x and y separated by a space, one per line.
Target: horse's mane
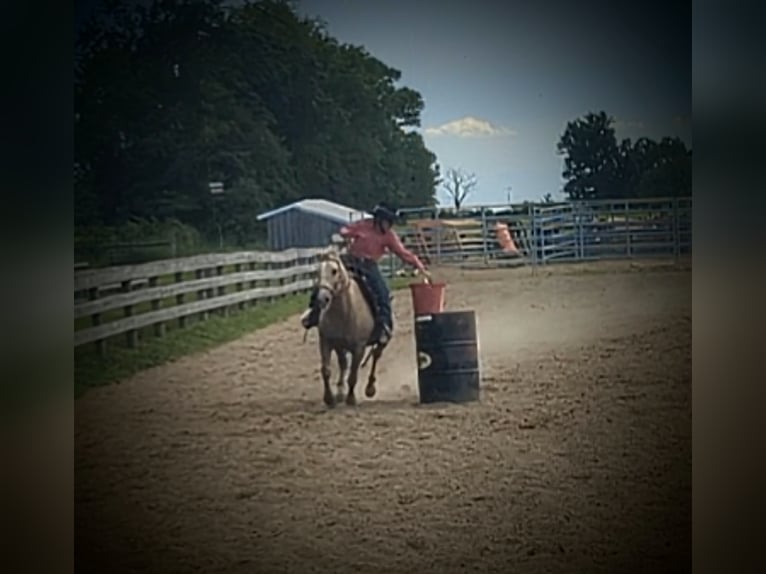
pixel 330 255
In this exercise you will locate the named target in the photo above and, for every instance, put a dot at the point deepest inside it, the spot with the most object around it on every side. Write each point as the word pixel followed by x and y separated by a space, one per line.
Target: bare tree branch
pixel 459 184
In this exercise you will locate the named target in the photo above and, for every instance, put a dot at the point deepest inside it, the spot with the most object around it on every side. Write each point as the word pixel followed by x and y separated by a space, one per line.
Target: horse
pixel 346 325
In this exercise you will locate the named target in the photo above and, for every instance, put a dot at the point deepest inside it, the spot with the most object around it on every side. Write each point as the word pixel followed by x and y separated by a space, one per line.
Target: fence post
pixel 208 292
pixel 179 277
pixel 438 238
pixel 484 234
pixel 132 334
pixel 96 321
pixel 580 239
pixel 676 232
pixel 533 229
pixel 159 328
pixel 221 291
pixel 627 230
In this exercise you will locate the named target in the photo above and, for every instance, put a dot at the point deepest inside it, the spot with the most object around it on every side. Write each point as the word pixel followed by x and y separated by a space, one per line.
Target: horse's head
pixel 333 278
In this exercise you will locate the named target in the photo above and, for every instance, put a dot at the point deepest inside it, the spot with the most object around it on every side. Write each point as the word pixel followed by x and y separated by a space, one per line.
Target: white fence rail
pixel 123 300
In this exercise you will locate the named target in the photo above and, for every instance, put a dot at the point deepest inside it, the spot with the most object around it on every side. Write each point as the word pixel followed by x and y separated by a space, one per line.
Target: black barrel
pixel 448 357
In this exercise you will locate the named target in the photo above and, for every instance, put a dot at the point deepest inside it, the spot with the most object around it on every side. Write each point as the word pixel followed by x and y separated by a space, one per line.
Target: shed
pixel 307 223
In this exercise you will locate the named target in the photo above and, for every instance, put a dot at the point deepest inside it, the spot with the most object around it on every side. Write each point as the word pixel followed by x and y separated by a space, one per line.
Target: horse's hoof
pixel 369 391
pixel 351 400
pixel 329 400
pixel 340 397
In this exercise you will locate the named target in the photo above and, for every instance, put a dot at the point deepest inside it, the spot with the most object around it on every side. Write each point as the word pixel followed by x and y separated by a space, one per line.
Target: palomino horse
pixel 346 324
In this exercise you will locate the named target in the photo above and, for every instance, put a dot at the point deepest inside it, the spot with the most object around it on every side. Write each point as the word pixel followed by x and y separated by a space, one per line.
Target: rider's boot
pixel 310 317
pixel 385 336
pixel 383 333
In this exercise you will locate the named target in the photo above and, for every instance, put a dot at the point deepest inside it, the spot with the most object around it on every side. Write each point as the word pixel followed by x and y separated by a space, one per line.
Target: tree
pixel 172 94
pixel 591 162
pixel 597 167
pixel 458 184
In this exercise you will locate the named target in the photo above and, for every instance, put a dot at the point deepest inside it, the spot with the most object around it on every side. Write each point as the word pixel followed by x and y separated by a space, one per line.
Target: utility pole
pixel 216 189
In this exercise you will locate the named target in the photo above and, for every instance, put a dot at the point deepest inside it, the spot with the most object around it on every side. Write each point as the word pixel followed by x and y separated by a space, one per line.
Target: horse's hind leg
pixel 353 375
pixel 369 390
pixel 326 353
pixel 343 366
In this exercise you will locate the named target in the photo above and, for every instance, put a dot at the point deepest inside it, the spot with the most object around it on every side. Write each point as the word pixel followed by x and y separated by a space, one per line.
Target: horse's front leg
pixel 353 374
pixel 369 390
pixel 326 354
pixel 343 367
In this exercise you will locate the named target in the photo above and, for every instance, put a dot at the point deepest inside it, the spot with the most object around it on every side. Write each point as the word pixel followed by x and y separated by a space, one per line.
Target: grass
pixel 92 370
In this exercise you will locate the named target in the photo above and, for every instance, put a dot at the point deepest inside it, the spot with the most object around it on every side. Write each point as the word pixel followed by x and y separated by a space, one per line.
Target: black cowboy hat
pixel 386 213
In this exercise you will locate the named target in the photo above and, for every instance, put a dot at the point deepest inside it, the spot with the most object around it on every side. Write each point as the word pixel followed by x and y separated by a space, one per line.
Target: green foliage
pixel 597 167
pixel 173 94
pixel 135 241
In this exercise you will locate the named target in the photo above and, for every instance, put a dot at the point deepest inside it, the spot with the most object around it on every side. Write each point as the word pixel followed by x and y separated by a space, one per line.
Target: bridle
pixel 344 280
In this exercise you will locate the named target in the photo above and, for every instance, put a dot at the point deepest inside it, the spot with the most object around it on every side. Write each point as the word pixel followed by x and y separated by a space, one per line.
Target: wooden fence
pixel 131 299
pixel 127 299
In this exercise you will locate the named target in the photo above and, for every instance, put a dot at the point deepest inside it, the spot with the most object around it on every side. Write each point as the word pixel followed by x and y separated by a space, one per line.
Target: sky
pixel 500 80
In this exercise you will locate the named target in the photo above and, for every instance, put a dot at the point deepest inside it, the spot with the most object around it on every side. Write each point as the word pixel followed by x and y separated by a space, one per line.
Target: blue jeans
pixel 379 287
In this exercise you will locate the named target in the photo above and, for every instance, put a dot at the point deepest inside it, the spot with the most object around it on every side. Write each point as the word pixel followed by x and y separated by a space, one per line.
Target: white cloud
pixel 469 126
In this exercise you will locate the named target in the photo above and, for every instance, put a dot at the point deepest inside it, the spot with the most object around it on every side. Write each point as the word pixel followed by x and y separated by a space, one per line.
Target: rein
pixel 344 287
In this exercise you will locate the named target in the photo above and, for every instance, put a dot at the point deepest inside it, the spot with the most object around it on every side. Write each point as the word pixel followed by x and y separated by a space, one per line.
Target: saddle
pixel 358 270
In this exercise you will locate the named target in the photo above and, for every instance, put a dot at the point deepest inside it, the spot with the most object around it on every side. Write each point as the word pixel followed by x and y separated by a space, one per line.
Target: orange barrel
pixel 427 298
pixel 504 238
pixel 448 357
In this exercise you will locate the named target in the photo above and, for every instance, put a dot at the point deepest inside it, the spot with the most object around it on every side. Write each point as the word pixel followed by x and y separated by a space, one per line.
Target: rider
pixel 371 238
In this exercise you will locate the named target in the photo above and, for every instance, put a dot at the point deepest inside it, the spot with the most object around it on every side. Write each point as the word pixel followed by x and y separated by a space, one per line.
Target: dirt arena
pixel 576 459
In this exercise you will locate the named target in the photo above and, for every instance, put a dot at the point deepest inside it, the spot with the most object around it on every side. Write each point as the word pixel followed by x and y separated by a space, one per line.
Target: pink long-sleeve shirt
pixel 369 242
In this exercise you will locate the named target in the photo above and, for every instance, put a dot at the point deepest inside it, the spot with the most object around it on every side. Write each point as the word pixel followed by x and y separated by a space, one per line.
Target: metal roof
pixel 322 207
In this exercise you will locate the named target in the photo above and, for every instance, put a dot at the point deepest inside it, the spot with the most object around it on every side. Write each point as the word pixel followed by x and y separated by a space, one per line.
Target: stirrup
pixel 384 337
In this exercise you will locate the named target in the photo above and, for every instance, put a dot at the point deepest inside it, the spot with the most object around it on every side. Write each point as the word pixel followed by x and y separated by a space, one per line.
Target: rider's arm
pixel 351 230
pixel 397 247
